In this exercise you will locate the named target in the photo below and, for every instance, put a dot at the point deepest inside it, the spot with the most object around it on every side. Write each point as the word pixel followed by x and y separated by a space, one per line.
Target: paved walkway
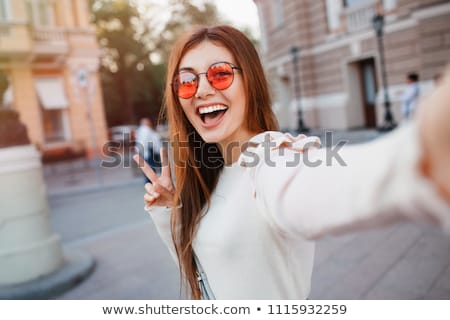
pixel 82 175
pixel 401 262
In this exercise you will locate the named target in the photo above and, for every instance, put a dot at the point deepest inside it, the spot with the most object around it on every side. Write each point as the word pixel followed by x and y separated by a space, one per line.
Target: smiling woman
pixel 245 201
pixel 222 91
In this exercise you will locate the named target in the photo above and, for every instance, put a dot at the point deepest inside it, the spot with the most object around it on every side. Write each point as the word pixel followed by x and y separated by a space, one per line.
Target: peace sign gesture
pixel 160 191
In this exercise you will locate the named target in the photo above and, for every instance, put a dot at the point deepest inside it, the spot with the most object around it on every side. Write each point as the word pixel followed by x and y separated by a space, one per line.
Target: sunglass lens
pixel 220 75
pixel 186 84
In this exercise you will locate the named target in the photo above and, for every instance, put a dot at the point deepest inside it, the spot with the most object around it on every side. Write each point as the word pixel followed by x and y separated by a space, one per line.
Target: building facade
pixel 338 83
pixel 49 59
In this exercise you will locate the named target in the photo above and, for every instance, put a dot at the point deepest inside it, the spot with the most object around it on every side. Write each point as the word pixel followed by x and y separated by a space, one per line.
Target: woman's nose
pixel 204 87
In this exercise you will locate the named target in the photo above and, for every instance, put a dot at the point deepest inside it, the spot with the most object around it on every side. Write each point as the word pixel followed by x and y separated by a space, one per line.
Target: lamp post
pixel 300 126
pixel 389 122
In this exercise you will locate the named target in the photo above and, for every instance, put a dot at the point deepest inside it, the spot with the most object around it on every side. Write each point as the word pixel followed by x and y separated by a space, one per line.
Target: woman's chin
pixel 209 137
pixel 212 136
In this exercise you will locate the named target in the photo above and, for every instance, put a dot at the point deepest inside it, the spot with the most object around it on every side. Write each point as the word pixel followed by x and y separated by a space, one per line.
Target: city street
pixel 400 262
pixel 111 225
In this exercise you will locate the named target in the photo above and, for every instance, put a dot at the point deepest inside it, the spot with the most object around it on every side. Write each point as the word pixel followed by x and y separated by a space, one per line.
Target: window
pixel 278 15
pixel 352 3
pixel 76 19
pixel 53 123
pixel 41 13
pixel 53 101
pixel 369 82
pixel 6 93
pixel 5 13
pixel 389 4
pixel 262 27
pixel 334 9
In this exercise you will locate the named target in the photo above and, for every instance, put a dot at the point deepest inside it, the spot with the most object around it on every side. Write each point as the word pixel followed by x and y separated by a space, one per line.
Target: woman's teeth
pixel 210 109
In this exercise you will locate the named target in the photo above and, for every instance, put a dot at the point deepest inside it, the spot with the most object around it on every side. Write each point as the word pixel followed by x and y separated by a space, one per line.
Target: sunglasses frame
pixel 174 83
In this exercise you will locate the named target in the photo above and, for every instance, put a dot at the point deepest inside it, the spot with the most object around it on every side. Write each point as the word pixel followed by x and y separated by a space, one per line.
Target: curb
pixel 77 267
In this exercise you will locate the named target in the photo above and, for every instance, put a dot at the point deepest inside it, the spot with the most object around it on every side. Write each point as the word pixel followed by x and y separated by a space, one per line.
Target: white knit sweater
pixel 255 240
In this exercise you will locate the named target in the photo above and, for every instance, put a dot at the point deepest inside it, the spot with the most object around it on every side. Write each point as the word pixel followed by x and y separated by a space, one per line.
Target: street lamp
pixel 300 127
pixel 389 122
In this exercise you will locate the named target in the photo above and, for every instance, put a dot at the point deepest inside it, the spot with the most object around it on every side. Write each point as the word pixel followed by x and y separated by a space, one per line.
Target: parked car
pixel 124 134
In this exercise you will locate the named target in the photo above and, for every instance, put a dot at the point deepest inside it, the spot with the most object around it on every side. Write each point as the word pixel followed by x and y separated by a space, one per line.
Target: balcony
pixel 49 41
pixel 359 16
pixel 19 41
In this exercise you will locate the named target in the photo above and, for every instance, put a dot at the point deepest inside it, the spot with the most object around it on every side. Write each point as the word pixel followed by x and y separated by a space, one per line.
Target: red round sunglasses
pixel 220 76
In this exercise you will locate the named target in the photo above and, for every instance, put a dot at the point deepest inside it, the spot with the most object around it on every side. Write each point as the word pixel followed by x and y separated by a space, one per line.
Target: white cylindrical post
pixel 28 247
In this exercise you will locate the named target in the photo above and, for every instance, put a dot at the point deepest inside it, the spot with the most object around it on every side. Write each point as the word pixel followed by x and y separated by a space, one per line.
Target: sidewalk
pixel 111 225
pixel 99 211
pixel 401 262
pixel 81 175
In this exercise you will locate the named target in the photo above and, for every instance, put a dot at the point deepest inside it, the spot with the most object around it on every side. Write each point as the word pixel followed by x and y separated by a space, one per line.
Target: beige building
pixel 50 57
pixel 339 63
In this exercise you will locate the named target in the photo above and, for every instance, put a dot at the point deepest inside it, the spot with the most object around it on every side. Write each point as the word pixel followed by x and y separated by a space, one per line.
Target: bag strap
pixel 207 293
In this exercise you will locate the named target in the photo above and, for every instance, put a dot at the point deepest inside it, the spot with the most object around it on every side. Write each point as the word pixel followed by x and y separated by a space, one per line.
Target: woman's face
pixel 204 109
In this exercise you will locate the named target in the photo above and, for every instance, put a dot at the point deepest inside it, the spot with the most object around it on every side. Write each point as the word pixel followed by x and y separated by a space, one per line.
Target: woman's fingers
pixel 157 194
pixel 149 198
pixel 160 190
pixel 165 172
pixel 146 169
pixel 150 190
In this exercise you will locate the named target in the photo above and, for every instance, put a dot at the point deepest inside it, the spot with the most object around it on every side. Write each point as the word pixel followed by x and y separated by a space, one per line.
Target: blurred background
pixel 76 77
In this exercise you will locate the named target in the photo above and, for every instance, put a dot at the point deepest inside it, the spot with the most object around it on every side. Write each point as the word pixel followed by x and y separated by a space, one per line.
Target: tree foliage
pixel 135 47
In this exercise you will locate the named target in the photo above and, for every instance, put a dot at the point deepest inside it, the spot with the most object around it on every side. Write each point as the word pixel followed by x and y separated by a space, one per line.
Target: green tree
pixel 185 14
pixel 129 33
pixel 123 37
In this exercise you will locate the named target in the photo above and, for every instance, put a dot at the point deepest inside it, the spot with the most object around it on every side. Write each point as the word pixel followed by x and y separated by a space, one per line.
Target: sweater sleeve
pixel 161 218
pixel 311 194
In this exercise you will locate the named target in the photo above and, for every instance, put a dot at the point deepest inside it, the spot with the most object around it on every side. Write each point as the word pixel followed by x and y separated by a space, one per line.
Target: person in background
pixel 410 95
pixel 437 79
pixel 148 143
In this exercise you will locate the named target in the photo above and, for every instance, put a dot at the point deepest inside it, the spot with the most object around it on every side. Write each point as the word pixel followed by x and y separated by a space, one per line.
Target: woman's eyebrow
pixel 186 69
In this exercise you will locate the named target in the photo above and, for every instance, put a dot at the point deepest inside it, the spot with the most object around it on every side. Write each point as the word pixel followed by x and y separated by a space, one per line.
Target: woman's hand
pixel 434 121
pixel 160 191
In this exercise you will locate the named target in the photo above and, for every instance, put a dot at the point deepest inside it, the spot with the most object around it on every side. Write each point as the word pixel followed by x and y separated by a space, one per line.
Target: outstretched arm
pixel 402 176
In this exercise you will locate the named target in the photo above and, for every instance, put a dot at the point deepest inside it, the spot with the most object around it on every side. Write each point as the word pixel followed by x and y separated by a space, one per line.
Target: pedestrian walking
pixel 410 96
pixel 148 143
pixel 244 203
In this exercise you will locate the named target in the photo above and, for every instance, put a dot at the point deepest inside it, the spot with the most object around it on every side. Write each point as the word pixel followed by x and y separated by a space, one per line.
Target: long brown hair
pixel 196 174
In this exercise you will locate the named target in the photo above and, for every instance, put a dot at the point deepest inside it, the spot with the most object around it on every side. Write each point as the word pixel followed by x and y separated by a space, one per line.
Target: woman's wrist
pixel 150 208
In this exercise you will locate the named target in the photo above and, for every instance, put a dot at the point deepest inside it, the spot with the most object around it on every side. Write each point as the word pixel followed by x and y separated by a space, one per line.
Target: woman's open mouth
pixel 212 115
